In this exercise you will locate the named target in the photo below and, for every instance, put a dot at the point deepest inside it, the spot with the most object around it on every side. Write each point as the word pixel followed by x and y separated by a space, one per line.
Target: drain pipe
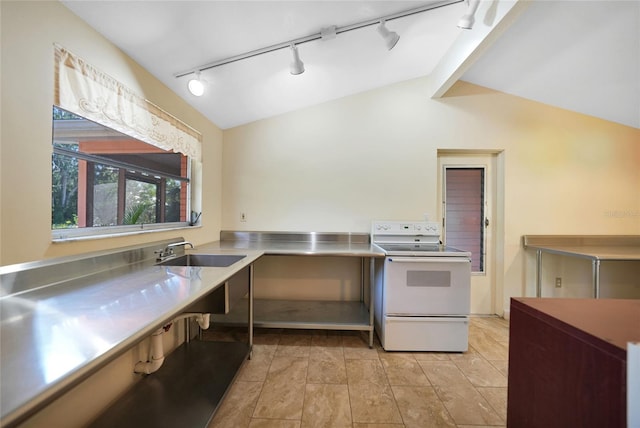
pixel 157 355
pixel 156 359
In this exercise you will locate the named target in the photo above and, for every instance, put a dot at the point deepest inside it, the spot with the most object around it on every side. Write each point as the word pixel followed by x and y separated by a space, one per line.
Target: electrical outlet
pixel 243 217
pixel 558 282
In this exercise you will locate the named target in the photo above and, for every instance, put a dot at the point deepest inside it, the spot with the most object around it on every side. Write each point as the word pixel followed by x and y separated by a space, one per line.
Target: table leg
pixel 538 273
pixel 595 276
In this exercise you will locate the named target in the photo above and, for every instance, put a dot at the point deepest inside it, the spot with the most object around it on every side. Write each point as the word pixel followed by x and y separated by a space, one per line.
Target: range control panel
pixel 406 228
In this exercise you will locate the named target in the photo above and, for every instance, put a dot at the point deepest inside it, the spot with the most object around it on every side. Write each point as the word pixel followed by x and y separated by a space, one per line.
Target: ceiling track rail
pixel 316 36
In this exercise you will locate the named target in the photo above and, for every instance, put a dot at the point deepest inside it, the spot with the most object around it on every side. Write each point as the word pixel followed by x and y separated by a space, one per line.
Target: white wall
pixel 339 165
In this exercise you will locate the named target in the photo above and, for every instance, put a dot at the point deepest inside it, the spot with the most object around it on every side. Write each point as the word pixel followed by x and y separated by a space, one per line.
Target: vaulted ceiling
pixel 578 55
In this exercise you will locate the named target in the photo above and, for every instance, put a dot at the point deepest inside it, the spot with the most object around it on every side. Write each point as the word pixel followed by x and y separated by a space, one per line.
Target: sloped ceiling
pixel 579 55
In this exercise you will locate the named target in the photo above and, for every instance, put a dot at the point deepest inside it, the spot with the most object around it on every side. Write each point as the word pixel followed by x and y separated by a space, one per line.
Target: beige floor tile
pixel 295 337
pixel 273 423
pixel 497 397
pixel 326 406
pixel 373 403
pixel 481 373
pixel 327 371
pixel 466 405
pixel 237 407
pixel 280 399
pixel 288 369
pixel 365 372
pixel 360 353
pixel 255 369
pixel 326 353
pixel 431 356
pixel 266 338
pixel 294 373
pixel 497 328
pixel 403 369
pixel 488 347
pixel 481 426
pixel 442 372
pixel 327 338
pixel 421 407
pixel 469 354
pixel 501 365
pixel 361 425
pixel 355 347
pixel 294 344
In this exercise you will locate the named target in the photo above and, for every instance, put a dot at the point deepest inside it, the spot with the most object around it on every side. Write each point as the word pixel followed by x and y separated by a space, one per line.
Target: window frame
pixel 97 232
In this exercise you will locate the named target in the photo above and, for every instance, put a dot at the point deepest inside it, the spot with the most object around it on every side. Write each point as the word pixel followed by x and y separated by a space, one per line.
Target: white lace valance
pixel 88 92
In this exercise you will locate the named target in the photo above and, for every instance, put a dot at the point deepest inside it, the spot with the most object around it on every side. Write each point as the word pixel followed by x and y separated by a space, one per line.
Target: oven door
pixel 419 286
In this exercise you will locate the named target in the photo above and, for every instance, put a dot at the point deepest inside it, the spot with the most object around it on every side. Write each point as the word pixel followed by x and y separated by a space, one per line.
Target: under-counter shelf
pixel 302 314
pixel 184 392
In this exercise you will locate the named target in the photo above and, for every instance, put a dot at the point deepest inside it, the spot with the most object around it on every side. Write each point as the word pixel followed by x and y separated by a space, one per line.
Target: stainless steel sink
pixel 208 260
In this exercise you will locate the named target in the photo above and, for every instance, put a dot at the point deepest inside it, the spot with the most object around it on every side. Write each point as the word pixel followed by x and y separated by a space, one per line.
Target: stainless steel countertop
pixel 52 337
pixel 594 247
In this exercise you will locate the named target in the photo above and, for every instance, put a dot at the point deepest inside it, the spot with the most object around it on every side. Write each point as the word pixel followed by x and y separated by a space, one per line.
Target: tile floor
pixel 299 379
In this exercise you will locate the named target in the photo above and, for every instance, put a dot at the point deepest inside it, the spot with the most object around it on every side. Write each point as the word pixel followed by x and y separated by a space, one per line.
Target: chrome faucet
pixel 168 252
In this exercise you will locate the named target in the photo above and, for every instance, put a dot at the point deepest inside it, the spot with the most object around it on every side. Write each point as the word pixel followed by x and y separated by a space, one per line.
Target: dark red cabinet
pixel 567 361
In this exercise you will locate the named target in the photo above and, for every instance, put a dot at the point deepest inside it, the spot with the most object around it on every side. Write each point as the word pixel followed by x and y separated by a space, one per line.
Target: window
pixel 464 212
pixel 105 182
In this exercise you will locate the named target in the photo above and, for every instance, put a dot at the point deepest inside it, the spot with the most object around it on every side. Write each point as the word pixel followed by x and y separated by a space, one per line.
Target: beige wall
pixel 339 165
pixel 28 32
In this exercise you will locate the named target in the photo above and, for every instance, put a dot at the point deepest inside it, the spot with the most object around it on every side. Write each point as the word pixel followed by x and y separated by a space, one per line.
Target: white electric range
pixel 422 289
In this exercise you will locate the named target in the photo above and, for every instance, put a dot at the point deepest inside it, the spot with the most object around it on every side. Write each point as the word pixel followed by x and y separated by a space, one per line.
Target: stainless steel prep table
pixel 597 248
pixel 55 332
pixel 329 315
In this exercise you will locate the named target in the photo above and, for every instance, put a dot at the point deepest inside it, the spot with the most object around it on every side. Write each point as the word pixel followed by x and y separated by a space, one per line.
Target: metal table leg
pixel 538 273
pixel 250 304
pixel 595 277
pixel 371 297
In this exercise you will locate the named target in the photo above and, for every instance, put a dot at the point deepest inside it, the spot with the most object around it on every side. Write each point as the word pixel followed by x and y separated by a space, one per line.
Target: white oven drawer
pixel 427 286
pixel 436 334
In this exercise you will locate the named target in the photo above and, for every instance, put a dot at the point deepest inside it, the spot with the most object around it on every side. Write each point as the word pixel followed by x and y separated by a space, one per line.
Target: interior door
pixel 467 211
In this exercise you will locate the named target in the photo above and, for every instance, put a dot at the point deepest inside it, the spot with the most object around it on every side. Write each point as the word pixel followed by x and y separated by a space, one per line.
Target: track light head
pixel 297 66
pixel 390 37
pixel 196 85
pixel 468 19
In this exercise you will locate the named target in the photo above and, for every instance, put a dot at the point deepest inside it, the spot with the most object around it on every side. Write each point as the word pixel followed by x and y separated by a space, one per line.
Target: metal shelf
pixel 301 314
pixel 184 392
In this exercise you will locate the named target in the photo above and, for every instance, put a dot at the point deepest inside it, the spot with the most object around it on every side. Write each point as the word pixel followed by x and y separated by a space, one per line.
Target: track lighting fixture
pixel 296 67
pixel 390 37
pixel 196 85
pixel 468 19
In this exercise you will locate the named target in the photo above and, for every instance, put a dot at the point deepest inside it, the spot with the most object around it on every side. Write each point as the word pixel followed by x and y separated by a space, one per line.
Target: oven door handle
pixel 427 259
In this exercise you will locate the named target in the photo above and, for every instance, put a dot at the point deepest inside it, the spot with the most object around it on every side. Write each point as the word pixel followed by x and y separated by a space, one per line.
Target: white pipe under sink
pixel 156 358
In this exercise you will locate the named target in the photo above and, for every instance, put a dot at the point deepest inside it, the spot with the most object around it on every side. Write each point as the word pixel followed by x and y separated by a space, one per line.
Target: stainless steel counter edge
pixel 299 243
pixel 17 343
pixel 593 247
